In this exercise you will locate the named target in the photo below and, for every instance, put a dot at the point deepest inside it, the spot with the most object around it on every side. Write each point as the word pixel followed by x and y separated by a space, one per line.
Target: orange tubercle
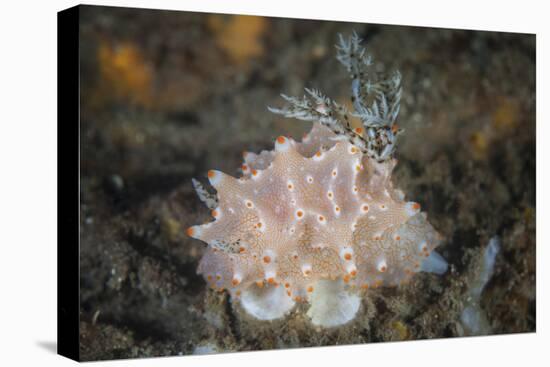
pixel 281 140
pixel 347 256
pixel 310 289
pixel 358 130
pixel 416 206
pixel 190 231
pixel 267 260
pixel 214 213
pixel 235 281
pixel 211 174
pixel 271 280
pixel 260 284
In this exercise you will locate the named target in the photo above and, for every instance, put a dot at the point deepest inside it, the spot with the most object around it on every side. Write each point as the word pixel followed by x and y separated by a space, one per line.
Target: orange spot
pixel 271 280
pixel 307 272
pixel 259 225
pixel 365 286
pixel 346 278
pixel 235 281
pixel 281 140
pixel 190 231
pixel 394 128
pixel 334 173
pixel 249 204
pixel 397 238
pixel 287 285
pixel 244 167
pixel 382 269
pixel 298 299
pixel 337 208
pixel 214 213
pixel 353 273
pixel 321 218
pixel 254 172
pixel 416 206
pixel 358 130
pixel 295 257
pixel 299 213
pixel 260 283
pixel 242 249
pixel 365 208
pixel 290 186
pixel 267 259
pixel 318 154
pixel 211 174
pixel 289 293
pixel 353 150
pixel 377 238
pixel 347 256
pixel 310 289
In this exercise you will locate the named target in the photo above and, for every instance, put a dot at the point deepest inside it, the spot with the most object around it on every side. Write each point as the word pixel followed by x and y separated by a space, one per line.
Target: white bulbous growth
pixel 267 303
pixel 332 304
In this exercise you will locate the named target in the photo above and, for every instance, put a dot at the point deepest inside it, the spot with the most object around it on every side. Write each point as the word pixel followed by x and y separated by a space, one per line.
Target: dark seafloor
pixel 168 95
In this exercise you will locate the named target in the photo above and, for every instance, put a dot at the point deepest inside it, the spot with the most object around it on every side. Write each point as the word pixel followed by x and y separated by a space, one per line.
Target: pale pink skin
pixel 307 211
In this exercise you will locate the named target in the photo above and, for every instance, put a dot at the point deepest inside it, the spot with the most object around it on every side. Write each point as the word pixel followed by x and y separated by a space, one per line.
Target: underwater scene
pixel 251 183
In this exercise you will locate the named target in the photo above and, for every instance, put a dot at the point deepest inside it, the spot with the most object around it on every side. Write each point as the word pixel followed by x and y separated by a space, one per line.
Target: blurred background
pixel 166 96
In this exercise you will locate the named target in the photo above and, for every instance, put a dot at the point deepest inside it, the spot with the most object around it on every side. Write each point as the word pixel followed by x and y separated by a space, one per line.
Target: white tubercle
pixel 282 144
pixel 215 177
pixel 412 208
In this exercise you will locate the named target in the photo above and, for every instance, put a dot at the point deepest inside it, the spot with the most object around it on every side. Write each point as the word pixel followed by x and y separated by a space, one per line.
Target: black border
pixel 68 144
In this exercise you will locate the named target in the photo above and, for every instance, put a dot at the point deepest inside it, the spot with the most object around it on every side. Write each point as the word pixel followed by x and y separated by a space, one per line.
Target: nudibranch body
pixel 316 221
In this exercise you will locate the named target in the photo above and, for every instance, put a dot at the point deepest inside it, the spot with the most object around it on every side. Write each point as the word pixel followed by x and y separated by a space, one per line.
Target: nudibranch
pixel 316 221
